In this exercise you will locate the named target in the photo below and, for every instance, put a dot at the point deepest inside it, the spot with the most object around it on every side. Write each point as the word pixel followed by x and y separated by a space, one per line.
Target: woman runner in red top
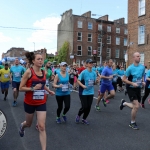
pixel 33 83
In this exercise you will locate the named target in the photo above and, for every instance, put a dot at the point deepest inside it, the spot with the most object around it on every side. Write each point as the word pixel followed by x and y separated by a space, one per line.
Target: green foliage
pixel 63 53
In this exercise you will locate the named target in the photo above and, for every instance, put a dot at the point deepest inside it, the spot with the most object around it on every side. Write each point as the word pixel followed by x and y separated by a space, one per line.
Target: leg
pixel 67 104
pixel 147 91
pixel 60 104
pixel 111 95
pixel 83 103
pixel 41 118
pixel 134 109
pixel 6 93
pixel 28 120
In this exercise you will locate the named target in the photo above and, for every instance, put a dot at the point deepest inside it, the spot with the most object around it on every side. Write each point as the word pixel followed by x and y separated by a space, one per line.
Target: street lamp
pixel 34 45
pixel 101 42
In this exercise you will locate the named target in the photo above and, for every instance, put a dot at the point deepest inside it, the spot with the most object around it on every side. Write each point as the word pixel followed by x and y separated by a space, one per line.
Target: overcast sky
pixel 27 16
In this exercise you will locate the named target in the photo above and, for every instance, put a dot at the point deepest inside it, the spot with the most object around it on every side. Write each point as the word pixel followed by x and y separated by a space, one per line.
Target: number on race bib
pixel 65 87
pixel 90 83
pixel 38 94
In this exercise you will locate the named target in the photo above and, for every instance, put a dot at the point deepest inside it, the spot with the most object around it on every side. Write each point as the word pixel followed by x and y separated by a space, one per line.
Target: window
pixel 99 51
pixel 141 35
pixel 79 24
pixel 117 40
pixel 79 51
pixel 90 25
pixel 117 30
pixel 125 41
pixel 141 7
pixel 108 53
pixel 108 28
pixel 124 52
pixel 108 39
pixel 99 38
pixel 89 50
pixel 117 53
pixel 100 27
pixel 125 31
pixel 79 36
pixel 89 37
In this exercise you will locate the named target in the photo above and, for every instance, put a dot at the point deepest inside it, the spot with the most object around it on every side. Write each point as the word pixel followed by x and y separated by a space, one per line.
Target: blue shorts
pixel 15 85
pixel 5 85
pixel 105 87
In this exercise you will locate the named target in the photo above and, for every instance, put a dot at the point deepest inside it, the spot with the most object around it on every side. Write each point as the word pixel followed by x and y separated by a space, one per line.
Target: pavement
pixel 108 129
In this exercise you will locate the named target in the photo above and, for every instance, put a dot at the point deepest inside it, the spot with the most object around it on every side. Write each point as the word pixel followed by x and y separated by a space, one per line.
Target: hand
pixel 143 83
pixel 38 86
pixel 84 87
pixel 60 85
pixel 111 77
pixel 134 84
pixel 51 92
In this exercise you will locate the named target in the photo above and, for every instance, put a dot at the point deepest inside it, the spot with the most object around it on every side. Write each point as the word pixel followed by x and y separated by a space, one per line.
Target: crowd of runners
pixel 35 78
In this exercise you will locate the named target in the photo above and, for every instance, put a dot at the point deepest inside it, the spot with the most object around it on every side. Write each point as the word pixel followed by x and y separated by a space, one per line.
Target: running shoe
pixel 14 104
pixel 142 106
pixel 107 101
pixel 121 105
pixel 97 108
pixel 125 93
pixel 58 120
pixel 85 122
pixel 119 90
pixel 134 126
pixel 104 102
pixel 77 119
pixel 64 118
pixel 21 131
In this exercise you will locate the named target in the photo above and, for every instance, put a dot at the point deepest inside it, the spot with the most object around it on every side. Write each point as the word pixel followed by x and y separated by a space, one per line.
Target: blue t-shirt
pixel 148 82
pixel 89 78
pixel 135 74
pixel 93 69
pixel 121 72
pixel 64 90
pixel 100 69
pixel 107 71
pixel 17 72
pixel 56 71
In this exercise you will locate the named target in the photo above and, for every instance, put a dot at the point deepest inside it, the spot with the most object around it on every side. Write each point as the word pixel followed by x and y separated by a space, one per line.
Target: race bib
pixel 6 75
pixel 17 74
pixel 115 79
pixel 65 88
pixel 91 83
pixel 139 83
pixel 71 76
pixel 38 94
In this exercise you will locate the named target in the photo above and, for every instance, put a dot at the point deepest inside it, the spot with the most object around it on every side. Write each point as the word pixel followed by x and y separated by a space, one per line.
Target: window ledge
pixel 79 55
pixel 141 15
pixel 141 44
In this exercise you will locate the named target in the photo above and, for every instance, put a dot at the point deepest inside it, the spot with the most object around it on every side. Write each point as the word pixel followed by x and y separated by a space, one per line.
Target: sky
pixel 33 23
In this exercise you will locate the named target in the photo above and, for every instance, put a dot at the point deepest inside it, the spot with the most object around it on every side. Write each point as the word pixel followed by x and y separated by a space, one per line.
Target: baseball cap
pixel 63 63
pixel 89 61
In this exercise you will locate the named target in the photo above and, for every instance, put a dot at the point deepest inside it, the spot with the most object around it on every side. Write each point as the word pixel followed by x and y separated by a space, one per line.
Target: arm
pixel 83 86
pixel 48 90
pixel 55 82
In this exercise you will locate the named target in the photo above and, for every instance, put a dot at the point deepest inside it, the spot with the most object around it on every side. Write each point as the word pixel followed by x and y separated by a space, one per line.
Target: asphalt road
pixel 108 129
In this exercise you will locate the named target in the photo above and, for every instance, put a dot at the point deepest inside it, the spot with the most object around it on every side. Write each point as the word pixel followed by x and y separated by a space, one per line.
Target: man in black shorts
pixel 134 78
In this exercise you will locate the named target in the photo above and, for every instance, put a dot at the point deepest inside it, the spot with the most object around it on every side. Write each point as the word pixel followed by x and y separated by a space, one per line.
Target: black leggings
pixel 60 100
pixel 147 91
pixel 86 101
pixel 119 81
pixel 114 85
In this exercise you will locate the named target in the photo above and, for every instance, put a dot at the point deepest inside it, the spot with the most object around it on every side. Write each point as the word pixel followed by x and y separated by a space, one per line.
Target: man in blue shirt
pixel 16 72
pixel 134 78
pixel 106 84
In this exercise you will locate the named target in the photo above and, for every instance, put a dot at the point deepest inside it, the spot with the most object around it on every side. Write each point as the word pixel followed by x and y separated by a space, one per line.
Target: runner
pixel 72 73
pixel 115 77
pixel 5 80
pixel 135 75
pixel 89 78
pixel 16 72
pixel 61 83
pixel 33 83
pixel 147 88
pixel 106 85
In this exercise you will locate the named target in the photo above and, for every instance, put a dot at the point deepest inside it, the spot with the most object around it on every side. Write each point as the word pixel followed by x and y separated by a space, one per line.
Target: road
pixel 108 129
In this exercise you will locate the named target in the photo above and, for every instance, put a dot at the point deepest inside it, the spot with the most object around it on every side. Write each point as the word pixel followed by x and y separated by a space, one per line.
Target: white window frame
pixel 108 28
pixel 99 38
pixel 125 31
pixel 125 41
pixel 90 25
pixel 79 50
pixel 79 36
pixel 142 7
pixel 117 40
pixel 124 53
pixel 141 34
pixel 108 39
pixel 108 53
pixel 89 50
pixel 80 24
pixel 89 37
pixel 100 27
pixel 117 30
pixel 117 53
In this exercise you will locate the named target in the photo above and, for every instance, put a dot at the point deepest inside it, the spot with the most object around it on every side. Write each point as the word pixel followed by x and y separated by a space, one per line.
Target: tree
pixel 63 53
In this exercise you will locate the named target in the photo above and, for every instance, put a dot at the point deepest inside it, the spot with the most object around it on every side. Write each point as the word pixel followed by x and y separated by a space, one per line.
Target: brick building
pixel 138 30
pixel 85 34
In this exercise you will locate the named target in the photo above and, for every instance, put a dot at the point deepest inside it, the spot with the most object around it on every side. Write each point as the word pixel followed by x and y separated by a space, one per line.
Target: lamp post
pixel 34 45
pixel 101 42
